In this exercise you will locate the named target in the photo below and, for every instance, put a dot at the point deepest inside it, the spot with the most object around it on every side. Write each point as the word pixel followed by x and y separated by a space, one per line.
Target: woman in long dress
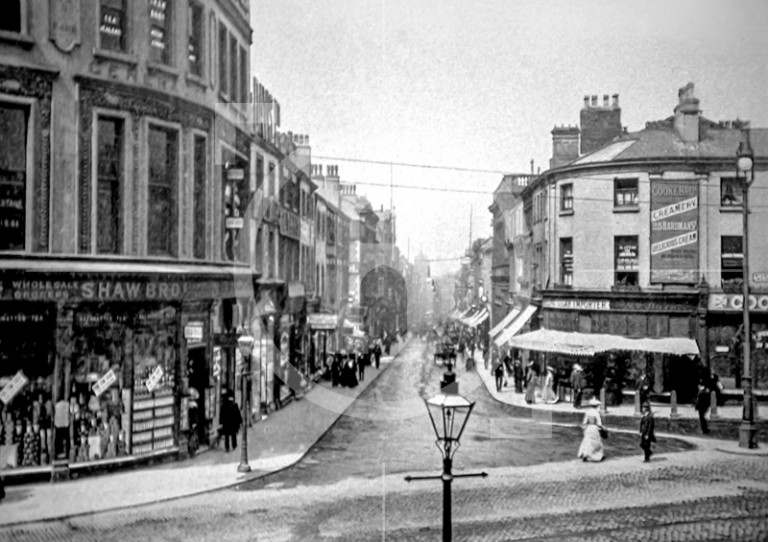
pixel 548 393
pixel 530 383
pixel 591 448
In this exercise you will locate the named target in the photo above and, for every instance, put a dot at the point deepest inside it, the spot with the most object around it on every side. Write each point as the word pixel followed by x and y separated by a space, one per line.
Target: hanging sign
pixel 154 378
pixel 104 382
pixel 13 387
pixel 193 332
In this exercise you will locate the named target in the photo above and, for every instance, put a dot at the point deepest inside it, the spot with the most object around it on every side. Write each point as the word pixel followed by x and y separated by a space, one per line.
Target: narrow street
pixel 350 485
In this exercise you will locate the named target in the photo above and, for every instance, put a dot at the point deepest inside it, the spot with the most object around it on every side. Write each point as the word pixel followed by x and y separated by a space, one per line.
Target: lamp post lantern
pixel 745 164
pixel 245 344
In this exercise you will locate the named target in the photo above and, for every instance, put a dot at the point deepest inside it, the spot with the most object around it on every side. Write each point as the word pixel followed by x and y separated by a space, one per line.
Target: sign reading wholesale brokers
pixel 674 231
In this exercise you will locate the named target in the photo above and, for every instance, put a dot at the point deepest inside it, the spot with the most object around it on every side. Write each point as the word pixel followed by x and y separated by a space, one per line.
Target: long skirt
pixel 591 448
pixel 530 396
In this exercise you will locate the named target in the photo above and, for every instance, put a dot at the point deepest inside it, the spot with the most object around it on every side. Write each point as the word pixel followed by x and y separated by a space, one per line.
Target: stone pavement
pixel 275 443
pixel 623 417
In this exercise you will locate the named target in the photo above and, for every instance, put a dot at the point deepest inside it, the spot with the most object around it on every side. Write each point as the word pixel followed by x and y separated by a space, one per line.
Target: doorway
pixel 198 379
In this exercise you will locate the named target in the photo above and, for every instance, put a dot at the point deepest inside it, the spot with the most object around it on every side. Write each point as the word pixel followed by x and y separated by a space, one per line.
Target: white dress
pixel 548 391
pixel 591 448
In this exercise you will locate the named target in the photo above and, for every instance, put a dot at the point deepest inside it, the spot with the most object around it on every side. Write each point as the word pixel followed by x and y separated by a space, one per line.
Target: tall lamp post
pixel 449 413
pixel 745 164
pixel 245 344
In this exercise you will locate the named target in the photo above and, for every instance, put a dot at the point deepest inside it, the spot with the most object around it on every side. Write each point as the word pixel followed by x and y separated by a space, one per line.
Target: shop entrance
pixel 198 379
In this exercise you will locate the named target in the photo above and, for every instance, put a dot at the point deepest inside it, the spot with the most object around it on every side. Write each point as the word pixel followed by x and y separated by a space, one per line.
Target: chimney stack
pixel 599 125
pixel 565 146
pixel 687 115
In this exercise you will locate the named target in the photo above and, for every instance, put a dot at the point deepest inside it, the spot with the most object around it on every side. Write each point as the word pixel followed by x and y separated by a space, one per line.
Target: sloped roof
pixel 660 140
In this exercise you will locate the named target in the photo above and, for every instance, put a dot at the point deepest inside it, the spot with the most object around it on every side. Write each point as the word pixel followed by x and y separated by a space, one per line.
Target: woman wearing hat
pixel 591 448
pixel 548 393
pixel 530 383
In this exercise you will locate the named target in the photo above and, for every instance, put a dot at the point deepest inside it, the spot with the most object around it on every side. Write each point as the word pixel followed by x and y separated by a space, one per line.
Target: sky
pixel 468 90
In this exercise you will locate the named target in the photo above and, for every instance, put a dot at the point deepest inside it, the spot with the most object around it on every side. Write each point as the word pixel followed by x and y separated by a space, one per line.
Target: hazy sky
pixel 479 85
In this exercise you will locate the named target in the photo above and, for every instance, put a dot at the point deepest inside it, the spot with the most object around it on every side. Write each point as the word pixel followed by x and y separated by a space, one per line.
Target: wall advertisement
pixel 674 231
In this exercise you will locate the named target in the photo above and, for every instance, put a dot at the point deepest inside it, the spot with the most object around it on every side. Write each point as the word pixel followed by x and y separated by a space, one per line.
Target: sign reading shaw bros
pixel 674 231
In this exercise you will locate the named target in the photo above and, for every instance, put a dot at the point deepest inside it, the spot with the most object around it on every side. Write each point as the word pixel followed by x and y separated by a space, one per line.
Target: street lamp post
pixel 245 344
pixel 745 171
pixel 449 413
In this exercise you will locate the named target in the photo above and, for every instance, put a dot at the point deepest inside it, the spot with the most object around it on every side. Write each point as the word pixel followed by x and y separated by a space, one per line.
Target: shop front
pixel 724 320
pixel 651 323
pixel 98 367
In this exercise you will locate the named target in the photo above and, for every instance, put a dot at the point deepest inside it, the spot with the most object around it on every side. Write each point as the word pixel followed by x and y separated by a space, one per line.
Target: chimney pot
pixel 615 100
pixel 586 101
pixel 605 100
pixel 594 100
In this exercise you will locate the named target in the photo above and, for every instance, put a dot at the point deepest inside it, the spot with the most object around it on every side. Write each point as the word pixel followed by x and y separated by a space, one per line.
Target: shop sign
pixel 578 304
pixel 104 382
pixel 674 231
pixel 193 332
pixel 13 387
pixel 108 290
pixel 735 302
pixel 154 378
pixel 760 277
pixel 628 305
pixel 235 222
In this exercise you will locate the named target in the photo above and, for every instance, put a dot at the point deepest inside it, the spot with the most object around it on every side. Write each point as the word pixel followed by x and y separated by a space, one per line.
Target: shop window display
pixel 154 369
pixel 95 429
pixel 25 416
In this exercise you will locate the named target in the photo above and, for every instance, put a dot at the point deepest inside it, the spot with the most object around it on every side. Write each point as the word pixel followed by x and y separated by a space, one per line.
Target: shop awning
pixel 466 318
pixel 514 327
pixel 323 322
pixel 589 344
pixel 498 328
pixel 479 318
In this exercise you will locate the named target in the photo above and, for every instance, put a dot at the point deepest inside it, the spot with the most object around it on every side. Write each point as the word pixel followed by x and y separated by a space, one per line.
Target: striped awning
pixel 498 328
pixel 479 318
pixel 514 327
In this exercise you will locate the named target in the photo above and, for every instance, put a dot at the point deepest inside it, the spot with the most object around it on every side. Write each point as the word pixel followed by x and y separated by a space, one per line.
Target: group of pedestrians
pixel 347 368
pixel 509 368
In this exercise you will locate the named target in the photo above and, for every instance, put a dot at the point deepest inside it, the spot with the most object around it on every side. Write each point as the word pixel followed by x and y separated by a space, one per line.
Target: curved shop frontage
pixel 96 368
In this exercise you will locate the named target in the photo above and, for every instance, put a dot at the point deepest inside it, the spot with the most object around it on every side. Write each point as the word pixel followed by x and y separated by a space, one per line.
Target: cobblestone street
pixel 351 487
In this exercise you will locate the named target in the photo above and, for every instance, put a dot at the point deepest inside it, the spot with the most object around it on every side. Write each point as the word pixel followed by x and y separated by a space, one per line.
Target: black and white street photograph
pixel 384 270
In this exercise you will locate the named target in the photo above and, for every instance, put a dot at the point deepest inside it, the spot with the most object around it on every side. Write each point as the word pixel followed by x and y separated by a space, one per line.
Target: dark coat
pixel 230 418
pixel 647 434
pixel 703 400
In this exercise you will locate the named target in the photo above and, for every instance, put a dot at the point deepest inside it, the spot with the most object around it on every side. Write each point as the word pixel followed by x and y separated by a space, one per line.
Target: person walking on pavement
pixel 702 406
pixel 377 352
pixel 498 373
pixel 647 435
pixel 530 384
pixel 231 420
pixel 508 368
pixel 517 368
pixel 362 360
pixel 577 384
pixel 591 448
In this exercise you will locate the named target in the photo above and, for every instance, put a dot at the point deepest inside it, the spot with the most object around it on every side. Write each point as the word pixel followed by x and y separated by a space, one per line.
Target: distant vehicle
pixel 445 351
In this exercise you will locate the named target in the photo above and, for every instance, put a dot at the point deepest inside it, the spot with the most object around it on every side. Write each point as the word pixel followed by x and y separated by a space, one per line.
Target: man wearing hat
pixel 577 384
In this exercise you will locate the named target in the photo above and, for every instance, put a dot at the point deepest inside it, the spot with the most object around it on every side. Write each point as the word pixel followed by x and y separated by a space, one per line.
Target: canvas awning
pixel 514 327
pixel 323 322
pixel 466 318
pixel 589 344
pixel 498 328
pixel 479 318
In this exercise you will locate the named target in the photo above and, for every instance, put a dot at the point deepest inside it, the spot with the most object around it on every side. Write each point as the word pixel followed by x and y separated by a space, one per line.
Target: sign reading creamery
pixel 674 231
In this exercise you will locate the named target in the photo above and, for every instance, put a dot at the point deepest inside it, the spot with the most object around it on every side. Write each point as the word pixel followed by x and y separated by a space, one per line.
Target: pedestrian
pixel 530 384
pixel 643 389
pixel 716 386
pixel 231 420
pixel 361 362
pixel 277 388
pixel 508 368
pixel 702 406
pixel 377 352
pixel 517 368
pixel 498 373
pixel 577 384
pixel 349 371
pixel 591 448
pixel 548 391
pixel 647 435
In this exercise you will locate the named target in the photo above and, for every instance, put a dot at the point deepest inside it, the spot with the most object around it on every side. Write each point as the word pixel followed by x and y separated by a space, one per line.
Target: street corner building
pixel 122 274
pixel 627 254
pixel 151 212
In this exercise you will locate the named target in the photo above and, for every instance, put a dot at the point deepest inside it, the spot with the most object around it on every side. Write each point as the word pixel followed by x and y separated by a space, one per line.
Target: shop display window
pixel 155 347
pixel 96 410
pixel 26 339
